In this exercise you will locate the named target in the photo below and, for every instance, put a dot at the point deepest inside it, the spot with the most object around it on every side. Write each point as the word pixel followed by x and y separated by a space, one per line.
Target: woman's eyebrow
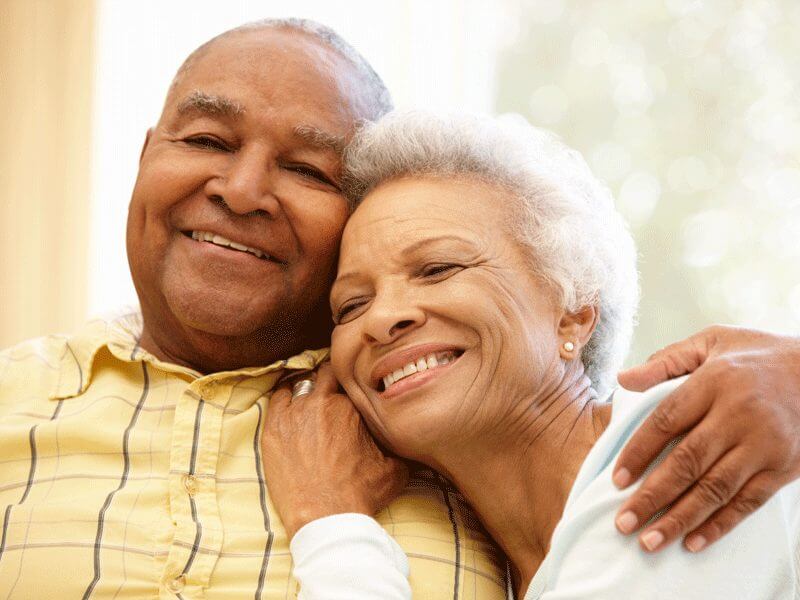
pixel 449 237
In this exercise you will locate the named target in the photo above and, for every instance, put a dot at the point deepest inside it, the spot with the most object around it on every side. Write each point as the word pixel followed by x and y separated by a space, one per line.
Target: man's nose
pixel 390 317
pixel 246 186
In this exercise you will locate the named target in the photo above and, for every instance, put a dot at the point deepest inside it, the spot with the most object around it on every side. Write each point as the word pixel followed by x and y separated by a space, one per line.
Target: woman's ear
pixel 575 329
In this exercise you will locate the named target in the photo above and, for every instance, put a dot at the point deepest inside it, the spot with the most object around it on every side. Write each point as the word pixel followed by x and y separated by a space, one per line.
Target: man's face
pixel 236 214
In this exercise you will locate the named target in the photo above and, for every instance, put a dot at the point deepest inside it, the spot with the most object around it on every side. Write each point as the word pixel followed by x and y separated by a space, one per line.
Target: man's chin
pixel 221 316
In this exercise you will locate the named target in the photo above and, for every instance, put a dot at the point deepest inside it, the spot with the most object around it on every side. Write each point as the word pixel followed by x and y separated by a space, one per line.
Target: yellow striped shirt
pixel 122 476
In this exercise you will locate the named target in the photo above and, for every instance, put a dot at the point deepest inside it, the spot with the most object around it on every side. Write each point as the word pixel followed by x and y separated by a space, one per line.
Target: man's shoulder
pixel 31 368
pixel 42 366
pixel 44 352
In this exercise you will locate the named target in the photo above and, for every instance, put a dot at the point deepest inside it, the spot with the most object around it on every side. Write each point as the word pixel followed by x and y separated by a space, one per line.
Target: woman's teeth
pixel 205 236
pixel 424 363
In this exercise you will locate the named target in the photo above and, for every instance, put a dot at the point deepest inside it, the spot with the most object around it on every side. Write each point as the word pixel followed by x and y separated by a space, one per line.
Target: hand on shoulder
pixel 740 414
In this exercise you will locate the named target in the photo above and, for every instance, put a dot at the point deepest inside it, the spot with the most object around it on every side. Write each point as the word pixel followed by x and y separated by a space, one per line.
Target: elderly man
pixel 131 461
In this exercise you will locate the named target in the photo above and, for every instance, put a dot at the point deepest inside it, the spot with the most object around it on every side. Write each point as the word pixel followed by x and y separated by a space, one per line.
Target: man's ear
pixel 575 329
pixel 146 143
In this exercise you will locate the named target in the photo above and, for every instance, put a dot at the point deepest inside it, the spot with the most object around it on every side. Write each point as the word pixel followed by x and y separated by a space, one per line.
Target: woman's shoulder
pixel 631 406
pixel 587 551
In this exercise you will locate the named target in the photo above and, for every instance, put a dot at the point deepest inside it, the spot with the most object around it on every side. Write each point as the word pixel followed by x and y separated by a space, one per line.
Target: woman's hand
pixel 319 458
pixel 740 413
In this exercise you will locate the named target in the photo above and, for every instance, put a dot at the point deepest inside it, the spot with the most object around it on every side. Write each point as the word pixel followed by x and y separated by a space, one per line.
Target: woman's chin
pixel 420 440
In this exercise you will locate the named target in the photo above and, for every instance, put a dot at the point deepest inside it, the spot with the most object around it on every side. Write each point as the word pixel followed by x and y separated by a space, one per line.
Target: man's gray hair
pixel 380 100
pixel 577 242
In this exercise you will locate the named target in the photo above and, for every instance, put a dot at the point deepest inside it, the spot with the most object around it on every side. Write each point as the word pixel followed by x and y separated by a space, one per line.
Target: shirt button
pixel 190 484
pixel 176 585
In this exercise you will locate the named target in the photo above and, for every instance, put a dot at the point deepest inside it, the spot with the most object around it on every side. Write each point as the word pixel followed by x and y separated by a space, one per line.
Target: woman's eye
pixel 347 312
pixel 439 269
pixel 207 142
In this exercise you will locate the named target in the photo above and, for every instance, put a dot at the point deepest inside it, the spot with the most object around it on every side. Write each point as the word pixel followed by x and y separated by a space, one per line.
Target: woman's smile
pixel 409 369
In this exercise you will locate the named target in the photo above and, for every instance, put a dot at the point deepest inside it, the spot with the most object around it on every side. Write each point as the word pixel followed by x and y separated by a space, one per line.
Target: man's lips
pixel 408 362
pixel 230 244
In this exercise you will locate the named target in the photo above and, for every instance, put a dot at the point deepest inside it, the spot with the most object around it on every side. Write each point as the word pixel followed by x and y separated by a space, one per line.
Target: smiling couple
pixel 483 298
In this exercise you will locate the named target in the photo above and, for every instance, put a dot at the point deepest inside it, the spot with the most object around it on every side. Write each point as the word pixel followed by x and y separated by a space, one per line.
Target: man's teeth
pixel 424 363
pixel 205 236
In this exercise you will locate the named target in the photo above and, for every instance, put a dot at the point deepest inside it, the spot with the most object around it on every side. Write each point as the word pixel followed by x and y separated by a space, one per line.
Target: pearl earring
pixel 569 346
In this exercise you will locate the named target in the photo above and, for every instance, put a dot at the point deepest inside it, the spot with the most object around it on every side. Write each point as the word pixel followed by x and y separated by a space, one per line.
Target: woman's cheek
pixel 340 360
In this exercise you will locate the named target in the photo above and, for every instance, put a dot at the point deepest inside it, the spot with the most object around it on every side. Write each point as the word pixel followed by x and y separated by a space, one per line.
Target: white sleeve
pixel 349 557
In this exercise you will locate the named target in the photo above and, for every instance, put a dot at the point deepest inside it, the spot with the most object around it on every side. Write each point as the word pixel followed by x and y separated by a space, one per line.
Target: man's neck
pixel 207 353
pixel 519 486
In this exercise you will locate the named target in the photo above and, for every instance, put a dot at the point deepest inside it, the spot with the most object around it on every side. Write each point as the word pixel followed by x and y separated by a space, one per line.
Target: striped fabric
pixel 125 477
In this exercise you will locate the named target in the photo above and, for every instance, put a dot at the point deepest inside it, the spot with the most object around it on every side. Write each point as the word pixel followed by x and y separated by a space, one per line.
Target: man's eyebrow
pixel 210 104
pixel 318 138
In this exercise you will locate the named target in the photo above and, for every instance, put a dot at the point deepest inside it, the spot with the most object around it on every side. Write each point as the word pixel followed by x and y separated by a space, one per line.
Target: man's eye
pixel 208 142
pixel 311 173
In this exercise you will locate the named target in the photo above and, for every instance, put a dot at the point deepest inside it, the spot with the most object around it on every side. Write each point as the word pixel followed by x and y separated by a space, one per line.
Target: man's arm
pixel 740 413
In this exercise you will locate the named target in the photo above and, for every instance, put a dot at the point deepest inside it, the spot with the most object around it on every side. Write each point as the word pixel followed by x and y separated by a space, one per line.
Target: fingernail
pixel 696 543
pixel 652 540
pixel 622 478
pixel 626 522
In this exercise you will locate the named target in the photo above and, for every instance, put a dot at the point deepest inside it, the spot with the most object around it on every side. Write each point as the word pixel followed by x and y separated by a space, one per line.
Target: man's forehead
pixel 262 53
pixel 234 77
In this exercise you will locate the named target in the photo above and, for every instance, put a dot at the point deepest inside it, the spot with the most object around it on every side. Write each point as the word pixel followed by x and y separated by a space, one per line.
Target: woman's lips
pixel 418 379
pixel 400 358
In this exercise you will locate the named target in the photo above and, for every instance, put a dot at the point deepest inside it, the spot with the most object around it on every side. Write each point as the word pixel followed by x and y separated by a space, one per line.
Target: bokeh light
pixel 690 111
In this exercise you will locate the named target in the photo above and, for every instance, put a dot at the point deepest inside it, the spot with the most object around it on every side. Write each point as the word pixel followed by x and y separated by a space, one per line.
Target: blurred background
pixel 688 109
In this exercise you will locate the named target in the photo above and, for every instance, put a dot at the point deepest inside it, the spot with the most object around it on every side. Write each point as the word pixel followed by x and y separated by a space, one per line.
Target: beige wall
pixel 46 78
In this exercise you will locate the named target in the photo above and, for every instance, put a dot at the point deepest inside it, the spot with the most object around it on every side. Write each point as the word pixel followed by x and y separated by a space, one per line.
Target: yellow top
pixel 122 476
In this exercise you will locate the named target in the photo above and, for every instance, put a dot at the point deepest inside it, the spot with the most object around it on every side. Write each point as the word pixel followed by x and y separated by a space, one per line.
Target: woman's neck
pixel 519 486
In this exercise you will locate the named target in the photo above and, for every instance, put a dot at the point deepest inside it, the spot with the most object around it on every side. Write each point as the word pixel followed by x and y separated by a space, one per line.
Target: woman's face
pixel 441 329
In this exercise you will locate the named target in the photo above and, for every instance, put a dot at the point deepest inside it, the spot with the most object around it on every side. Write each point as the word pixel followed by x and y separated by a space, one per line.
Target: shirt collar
pixel 120 335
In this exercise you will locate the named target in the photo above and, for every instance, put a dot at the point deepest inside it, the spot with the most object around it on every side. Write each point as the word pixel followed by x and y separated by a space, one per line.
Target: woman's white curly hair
pixel 577 242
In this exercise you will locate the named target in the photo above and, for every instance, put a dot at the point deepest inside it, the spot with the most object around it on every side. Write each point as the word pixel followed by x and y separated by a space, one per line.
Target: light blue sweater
pixel 588 558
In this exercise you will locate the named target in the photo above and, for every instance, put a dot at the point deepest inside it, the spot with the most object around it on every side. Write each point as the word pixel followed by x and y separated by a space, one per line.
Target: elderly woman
pixel 484 302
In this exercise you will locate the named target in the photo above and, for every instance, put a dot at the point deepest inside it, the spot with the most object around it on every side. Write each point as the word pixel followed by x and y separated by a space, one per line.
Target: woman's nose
pixel 246 187
pixel 387 321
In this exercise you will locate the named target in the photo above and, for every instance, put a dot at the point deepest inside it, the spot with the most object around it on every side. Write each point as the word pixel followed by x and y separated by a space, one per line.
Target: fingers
pixel 713 491
pixel 397 478
pixel 280 397
pixel 676 414
pixel 672 361
pixel 680 470
pixel 752 496
pixel 325 382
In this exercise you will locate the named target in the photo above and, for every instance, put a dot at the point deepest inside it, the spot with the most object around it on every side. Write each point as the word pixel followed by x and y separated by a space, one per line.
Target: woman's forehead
pixel 419 204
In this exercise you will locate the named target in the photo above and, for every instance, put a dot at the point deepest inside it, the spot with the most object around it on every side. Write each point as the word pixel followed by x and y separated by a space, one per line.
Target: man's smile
pixel 207 246
pixel 218 240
